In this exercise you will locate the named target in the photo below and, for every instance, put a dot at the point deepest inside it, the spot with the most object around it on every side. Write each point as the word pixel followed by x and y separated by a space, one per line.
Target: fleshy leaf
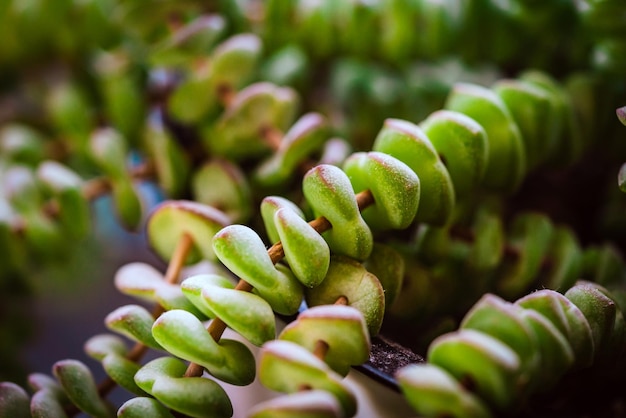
pixel 135 322
pixel 194 396
pixel 237 133
pixel 462 145
pixel 286 367
pixel 567 318
pixel 491 366
pixel 100 346
pixel 14 401
pixel 556 355
pixel 330 194
pixel 395 187
pixel 74 212
pixel 506 162
pixel 246 313
pixel 306 136
pixel 533 109
pixel 305 250
pixel 170 220
pixel 183 335
pixel 142 407
pixel 432 391
pixel 222 184
pixel 80 386
pixel 408 143
pixel 192 289
pixel 122 371
pixel 599 310
pixel 504 321
pixel 306 404
pixel 388 266
pixel 243 252
pixel 46 404
pixel 530 236
pixel 348 278
pixel 341 329
pixel 269 206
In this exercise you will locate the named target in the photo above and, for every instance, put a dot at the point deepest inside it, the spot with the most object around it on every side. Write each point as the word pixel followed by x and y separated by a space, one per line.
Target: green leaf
pixel 101 345
pixel 135 322
pixel 304 138
pixel 599 310
pixel 567 318
pixel 504 321
pixel 328 191
pixel 567 260
pixel 269 206
pixel 80 386
pixel 14 401
pixel 21 144
pixel 243 252
pixel 169 160
pixel 140 280
pixel 237 133
pixel 193 286
pixel 245 313
pixel 556 355
pixel 128 202
pixel 222 184
pixel 306 404
pixel 306 252
pixel 395 187
pixel 109 150
pixel 621 178
pixel 122 371
pixel 408 143
pixel 348 278
pixel 188 42
pixel 534 111
pixel 170 220
pixel 462 145
pixel 286 367
pixel 506 162
pixel 569 144
pixel 432 391
pixel 183 335
pixel 74 212
pixel 143 407
pixel 488 247
pixel 388 266
pixel 530 235
pixel 621 114
pixel 487 364
pixel 46 404
pixel 342 329
pixel 194 396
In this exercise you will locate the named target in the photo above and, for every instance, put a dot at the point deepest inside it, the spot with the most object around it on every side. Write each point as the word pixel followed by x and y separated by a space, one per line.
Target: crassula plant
pixel 387 185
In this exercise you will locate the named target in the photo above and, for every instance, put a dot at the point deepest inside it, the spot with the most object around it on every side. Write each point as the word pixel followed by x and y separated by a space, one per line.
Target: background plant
pixel 191 95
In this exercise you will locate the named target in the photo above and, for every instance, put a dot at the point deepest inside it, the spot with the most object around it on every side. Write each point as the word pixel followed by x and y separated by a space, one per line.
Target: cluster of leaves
pixel 229 111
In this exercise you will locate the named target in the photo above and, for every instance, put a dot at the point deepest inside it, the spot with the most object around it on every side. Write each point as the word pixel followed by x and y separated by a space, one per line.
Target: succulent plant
pixel 400 182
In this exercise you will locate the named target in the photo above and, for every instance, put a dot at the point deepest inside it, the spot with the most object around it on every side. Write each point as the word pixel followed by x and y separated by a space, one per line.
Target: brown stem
pixel 272 136
pixel 342 300
pixel 100 186
pixel 320 349
pixel 226 94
